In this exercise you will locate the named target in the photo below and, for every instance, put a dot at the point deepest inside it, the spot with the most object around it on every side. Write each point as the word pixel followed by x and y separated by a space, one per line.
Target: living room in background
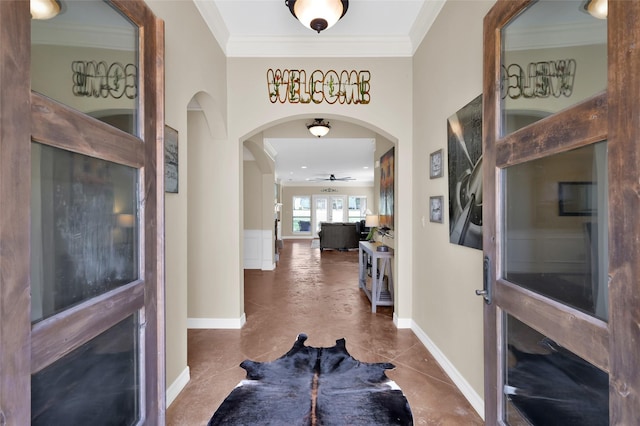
pixel 301 214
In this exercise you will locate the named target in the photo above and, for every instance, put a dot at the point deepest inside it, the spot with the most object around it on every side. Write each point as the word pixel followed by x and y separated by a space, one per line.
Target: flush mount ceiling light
pixel 318 15
pixel 44 9
pixel 319 127
pixel 597 8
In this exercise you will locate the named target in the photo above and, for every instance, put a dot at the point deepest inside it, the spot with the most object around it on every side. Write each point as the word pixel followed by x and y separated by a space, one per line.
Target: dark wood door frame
pixel 21 119
pixel 613 115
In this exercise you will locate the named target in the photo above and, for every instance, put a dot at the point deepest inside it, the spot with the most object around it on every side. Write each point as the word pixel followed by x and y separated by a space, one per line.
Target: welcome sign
pixel 296 86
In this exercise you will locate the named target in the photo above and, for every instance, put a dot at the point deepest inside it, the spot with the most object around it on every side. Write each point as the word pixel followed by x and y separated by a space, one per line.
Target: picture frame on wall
pixel 387 176
pixel 464 170
pixel 436 169
pixel 170 160
pixel 436 205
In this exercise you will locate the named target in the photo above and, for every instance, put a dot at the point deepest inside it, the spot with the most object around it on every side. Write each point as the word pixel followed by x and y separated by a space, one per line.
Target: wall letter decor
pixel 295 86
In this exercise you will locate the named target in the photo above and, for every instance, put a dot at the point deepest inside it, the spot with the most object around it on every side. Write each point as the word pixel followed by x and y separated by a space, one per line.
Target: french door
pixel 81 290
pixel 328 209
pixel 561 200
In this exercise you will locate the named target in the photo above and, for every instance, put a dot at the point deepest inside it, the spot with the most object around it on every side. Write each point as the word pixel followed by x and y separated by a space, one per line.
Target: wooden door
pixel 561 214
pixel 81 290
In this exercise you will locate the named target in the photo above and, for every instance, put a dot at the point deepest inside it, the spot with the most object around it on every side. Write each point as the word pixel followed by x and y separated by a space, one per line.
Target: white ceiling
pixel 370 28
pixel 310 162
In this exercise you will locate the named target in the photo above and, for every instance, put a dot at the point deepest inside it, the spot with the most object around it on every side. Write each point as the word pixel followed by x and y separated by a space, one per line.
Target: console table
pixel 381 262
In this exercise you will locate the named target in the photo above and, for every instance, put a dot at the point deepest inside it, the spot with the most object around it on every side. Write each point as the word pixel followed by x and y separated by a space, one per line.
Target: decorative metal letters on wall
pixel 541 79
pixel 293 86
pixel 100 80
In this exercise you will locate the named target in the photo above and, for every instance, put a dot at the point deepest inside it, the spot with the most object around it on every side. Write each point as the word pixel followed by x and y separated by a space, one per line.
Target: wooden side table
pixel 381 262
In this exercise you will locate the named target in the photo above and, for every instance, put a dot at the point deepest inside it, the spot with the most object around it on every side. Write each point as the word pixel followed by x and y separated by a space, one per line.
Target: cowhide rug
pixel 315 386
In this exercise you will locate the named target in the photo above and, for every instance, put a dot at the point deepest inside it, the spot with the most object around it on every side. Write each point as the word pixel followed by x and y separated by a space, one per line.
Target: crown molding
pixel 557 36
pixel 329 47
pixel 89 36
pixel 427 16
pixel 214 22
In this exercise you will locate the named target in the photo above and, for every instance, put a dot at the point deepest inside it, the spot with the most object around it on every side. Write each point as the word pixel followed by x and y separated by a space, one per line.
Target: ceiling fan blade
pixel 332 178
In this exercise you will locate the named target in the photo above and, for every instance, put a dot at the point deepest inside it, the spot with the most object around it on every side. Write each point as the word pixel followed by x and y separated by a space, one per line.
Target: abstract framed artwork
pixel 387 166
pixel 436 167
pixel 464 134
pixel 170 159
pixel 435 209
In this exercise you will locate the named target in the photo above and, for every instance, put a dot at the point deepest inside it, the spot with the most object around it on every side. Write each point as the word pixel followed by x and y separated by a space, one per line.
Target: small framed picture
pixel 435 208
pixel 170 159
pixel 436 170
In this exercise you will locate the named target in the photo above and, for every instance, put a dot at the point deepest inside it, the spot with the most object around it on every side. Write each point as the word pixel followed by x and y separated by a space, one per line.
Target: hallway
pixel 316 294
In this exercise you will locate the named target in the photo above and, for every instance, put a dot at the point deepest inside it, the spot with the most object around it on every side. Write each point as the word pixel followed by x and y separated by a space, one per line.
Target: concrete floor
pixel 317 294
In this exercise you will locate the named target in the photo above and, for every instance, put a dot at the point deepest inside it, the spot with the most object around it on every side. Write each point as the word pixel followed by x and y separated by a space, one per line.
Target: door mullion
pixel 57 336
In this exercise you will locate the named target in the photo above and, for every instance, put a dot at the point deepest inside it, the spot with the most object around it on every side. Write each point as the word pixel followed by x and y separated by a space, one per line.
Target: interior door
pixel 557 148
pixel 83 341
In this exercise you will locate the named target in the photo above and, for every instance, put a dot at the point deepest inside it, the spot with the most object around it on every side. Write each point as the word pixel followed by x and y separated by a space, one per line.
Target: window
pixel 301 214
pixel 357 208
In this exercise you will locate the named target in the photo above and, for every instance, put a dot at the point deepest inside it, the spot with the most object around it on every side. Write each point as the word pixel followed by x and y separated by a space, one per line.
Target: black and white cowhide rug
pixel 315 386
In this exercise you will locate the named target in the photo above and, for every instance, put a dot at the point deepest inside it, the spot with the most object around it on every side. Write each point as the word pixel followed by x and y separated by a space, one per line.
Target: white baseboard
pixel 469 393
pixel 268 266
pixel 219 323
pixel 402 322
pixel 177 386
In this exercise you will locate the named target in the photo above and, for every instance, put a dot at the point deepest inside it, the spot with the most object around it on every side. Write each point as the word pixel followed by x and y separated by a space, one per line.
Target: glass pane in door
pixel 555 231
pixel 84 228
pixel 321 212
pixel 555 55
pixel 86 57
pixel 548 385
pixel 96 384
pixel 337 209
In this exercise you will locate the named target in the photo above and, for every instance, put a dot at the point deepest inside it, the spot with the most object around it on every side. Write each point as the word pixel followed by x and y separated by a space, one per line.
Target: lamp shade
pixel 318 15
pixel 371 220
pixel 319 127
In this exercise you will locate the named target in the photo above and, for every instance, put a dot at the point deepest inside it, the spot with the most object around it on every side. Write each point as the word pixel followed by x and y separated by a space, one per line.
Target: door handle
pixel 486 281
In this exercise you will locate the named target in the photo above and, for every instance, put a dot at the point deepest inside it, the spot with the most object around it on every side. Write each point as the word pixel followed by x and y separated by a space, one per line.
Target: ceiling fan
pixel 333 178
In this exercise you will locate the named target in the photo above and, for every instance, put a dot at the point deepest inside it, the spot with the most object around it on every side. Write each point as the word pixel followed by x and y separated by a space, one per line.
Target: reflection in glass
pixel 86 57
pixel 547 385
pixel 555 55
pixel 556 238
pixel 96 384
pixel 84 228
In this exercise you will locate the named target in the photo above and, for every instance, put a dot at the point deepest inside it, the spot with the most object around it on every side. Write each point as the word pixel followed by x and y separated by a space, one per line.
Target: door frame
pixel 19 123
pixel 611 345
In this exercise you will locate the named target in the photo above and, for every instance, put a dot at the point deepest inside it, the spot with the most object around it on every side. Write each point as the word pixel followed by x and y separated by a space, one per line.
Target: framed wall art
pixel 435 209
pixel 577 198
pixel 387 167
pixel 464 134
pixel 436 169
pixel 170 159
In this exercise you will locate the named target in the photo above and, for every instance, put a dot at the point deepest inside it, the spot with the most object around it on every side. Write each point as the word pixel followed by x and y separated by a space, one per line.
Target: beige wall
pixel 252 195
pixel 447 75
